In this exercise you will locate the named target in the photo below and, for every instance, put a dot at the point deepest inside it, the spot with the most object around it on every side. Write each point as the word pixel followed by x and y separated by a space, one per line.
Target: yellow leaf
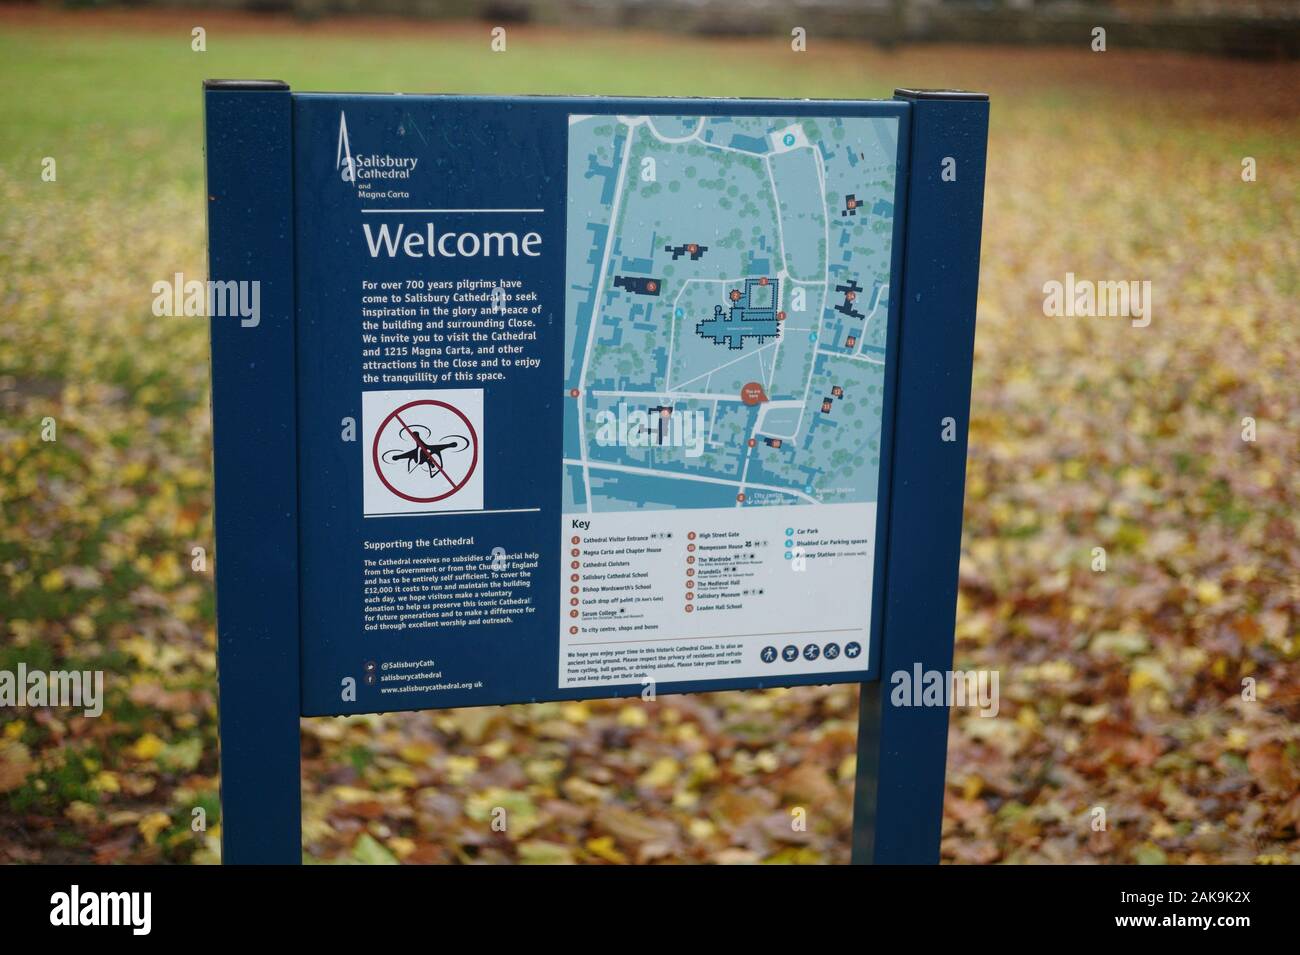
pixel 1160 829
pixel 1149 673
pixel 153 824
pixel 604 848
pixel 1209 592
pixel 351 794
pixel 82 813
pixel 536 852
pixel 633 716
pixel 1237 739
pixel 703 767
pixel 497 749
pixel 460 768
pixel 662 773
pixel 576 712
pixel 402 776
pixel 848 768
pixel 701 829
pixel 1028 718
pixel 401 846
pixel 147 746
pixel 581 790
pixel 686 799
pixel 416 752
pixel 166 571
pixel 544 771
pixel 767 761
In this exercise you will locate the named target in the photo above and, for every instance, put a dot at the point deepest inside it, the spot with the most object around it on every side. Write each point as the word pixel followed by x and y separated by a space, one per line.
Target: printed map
pixel 726 310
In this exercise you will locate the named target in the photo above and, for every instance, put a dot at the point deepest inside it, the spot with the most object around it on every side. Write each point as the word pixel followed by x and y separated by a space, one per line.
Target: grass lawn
pixel 1120 689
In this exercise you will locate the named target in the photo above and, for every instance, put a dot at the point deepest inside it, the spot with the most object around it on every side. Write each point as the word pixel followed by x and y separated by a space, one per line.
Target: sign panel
pixel 560 398
pixel 591 394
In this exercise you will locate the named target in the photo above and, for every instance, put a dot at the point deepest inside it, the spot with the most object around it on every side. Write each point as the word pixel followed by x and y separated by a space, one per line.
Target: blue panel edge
pixel 249 146
pixel 902 750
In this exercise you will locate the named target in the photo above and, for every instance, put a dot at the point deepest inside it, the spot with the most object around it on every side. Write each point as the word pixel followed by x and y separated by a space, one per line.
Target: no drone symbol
pixel 425 451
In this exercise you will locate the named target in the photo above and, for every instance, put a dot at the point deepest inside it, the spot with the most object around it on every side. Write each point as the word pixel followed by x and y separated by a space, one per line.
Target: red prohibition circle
pixel 374 451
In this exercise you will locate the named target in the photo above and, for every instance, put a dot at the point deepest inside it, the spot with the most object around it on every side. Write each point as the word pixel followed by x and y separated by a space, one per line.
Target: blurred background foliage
pixel 1120 689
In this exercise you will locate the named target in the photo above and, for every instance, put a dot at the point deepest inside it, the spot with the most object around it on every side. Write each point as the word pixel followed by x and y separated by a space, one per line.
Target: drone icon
pixel 426 453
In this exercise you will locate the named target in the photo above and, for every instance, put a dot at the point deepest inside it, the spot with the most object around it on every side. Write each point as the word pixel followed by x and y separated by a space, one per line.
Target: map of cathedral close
pixel 726 336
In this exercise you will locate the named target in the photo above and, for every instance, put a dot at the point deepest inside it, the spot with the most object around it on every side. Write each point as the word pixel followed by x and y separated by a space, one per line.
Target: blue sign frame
pixel 257 232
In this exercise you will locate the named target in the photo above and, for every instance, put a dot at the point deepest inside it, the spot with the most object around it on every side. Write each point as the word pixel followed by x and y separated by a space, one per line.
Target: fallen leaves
pixel 1122 689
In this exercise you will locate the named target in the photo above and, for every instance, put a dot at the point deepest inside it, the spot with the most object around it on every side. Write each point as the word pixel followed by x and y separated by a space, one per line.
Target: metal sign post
pixel 554 399
pixel 902 750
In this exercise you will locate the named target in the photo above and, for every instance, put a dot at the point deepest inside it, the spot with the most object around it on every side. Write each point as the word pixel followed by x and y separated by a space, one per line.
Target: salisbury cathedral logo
pixel 369 171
